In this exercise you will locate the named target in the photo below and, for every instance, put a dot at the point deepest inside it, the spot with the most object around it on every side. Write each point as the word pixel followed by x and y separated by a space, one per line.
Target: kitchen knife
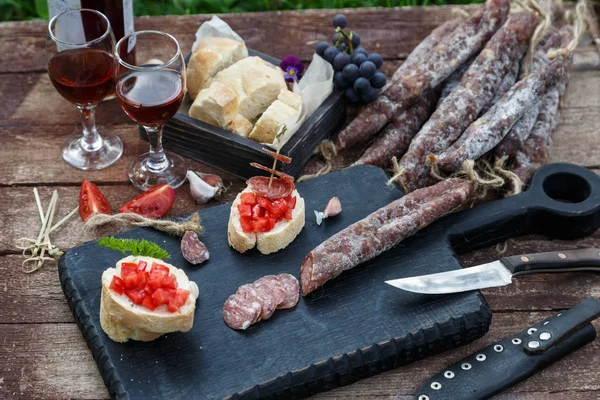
pixel 515 358
pixel 501 272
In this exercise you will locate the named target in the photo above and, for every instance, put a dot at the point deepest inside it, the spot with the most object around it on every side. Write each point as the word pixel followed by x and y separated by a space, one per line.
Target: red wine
pixel 150 98
pixel 82 76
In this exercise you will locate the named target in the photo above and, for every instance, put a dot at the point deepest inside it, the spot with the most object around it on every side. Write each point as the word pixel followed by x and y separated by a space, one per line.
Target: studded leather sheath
pixel 517 357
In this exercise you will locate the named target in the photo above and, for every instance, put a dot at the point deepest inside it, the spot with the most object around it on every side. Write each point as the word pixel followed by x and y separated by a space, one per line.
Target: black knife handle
pixel 503 364
pixel 554 261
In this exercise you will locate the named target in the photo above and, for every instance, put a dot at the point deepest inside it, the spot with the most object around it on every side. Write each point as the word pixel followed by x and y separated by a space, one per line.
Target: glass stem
pixel 91 140
pixel 157 159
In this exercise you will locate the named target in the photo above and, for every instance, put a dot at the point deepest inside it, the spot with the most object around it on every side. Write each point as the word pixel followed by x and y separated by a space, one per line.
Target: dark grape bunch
pixel 355 69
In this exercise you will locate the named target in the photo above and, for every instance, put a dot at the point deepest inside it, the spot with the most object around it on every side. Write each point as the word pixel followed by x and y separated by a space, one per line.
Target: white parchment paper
pixel 315 86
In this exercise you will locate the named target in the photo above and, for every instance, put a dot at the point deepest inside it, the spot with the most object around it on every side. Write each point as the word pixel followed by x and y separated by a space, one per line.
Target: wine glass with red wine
pixel 80 62
pixel 150 91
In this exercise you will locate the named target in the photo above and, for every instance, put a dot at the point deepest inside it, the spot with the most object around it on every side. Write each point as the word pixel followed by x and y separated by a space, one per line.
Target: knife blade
pixel 501 272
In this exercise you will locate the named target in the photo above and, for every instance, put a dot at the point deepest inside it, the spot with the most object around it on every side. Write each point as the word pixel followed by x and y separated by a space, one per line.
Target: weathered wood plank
pixel 23 46
pixel 52 361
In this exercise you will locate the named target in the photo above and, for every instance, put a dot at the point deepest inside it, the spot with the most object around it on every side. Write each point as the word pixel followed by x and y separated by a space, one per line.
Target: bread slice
pixel 122 320
pixel 290 98
pixel 216 105
pixel 256 83
pixel 267 125
pixel 240 126
pixel 211 56
pixel 282 234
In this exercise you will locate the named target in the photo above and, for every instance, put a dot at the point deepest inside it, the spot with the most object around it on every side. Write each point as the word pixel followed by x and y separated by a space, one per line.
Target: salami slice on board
pixel 193 250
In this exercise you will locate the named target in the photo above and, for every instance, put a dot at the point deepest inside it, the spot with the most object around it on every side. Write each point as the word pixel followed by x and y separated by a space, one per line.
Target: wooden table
pixel 42 352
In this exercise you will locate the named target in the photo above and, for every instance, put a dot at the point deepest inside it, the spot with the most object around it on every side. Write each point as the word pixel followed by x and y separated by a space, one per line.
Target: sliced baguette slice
pixel 122 320
pixel 240 125
pixel 216 105
pixel 290 98
pixel 278 238
pixel 268 124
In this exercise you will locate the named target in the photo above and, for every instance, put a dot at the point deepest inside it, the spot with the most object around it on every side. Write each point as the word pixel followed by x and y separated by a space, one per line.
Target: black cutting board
pixel 353 327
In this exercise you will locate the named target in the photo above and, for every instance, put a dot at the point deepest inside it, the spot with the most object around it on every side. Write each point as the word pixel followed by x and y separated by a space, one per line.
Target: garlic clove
pixel 333 208
pixel 211 179
pixel 201 191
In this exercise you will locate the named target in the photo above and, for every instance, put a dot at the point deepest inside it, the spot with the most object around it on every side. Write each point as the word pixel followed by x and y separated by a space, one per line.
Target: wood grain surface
pixel 42 352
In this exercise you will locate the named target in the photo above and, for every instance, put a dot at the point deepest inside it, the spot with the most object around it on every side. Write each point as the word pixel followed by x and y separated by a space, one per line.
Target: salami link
pixel 485 133
pixel 507 82
pixel 257 301
pixel 462 106
pixel 396 137
pixel 520 131
pixel 441 62
pixel 536 149
pixel 381 230
pixel 453 80
pixel 193 250
pixel 418 54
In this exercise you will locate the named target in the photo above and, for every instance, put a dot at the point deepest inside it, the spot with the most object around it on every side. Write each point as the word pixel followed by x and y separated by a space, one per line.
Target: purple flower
pixel 293 68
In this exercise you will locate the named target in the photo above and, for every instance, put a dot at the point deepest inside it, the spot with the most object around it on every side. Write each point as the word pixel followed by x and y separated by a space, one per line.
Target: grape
pixel 321 47
pixel 335 37
pixel 378 80
pixel 367 69
pixel 339 80
pixel 341 60
pixel 355 39
pixel 376 59
pixel 342 46
pixel 340 21
pixel 359 59
pixel 350 72
pixel 361 50
pixel 352 95
pixel 370 95
pixel 362 85
pixel 330 53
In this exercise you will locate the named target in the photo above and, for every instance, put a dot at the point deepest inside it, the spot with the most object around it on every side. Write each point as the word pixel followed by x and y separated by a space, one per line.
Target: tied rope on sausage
pixel 465 41
pixel 462 106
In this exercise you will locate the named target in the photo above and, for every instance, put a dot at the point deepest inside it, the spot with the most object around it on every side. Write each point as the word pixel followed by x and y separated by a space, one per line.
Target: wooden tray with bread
pixel 237 98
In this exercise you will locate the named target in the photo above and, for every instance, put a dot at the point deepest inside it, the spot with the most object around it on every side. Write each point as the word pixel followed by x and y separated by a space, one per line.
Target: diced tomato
pixel 170 282
pixel 148 303
pixel 153 284
pixel 180 298
pixel 160 267
pixel 142 266
pixel 264 224
pixel 128 269
pixel 288 214
pixel 291 200
pixel 136 295
pixel 278 208
pixel 245 210
pixel 258 211
pixel 137 280
pixel 248 198
pixel 264 202
pixel 116 284
pixel 158 274
pixel 162 296
pixel 247 225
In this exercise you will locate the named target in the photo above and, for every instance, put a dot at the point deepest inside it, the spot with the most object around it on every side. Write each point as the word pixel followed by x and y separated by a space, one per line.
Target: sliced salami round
pixel 280 188
pixel 193 250
pixel 250 297
pixel 272 281
pixel 291 287
pixel 267 298
pixel 237 314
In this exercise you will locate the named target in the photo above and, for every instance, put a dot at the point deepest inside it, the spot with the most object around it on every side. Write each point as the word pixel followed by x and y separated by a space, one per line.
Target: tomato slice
pixel 148 303
pixel 162 296
pixel 116 284
pixel 170 282
pixel 153 203
pixel 245 210
pixel 128 269
pixel 92 201
pixel 248 198
pixel 247 225
pixel 136 295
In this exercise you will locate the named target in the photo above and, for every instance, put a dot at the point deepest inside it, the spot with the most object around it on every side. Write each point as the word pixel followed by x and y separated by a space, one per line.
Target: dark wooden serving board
pixel 353 327
pixel 225 150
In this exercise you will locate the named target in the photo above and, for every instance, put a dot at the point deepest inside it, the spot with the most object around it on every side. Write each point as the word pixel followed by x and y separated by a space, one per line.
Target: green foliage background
pixel 18 10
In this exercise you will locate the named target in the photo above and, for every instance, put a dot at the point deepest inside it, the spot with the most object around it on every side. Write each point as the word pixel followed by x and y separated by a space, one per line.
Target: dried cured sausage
pixel 193 250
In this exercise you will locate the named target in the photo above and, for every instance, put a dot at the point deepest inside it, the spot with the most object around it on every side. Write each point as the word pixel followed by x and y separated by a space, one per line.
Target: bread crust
pixel 268 124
